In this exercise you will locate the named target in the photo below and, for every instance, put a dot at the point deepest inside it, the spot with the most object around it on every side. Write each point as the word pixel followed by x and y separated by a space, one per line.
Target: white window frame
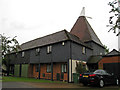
pixel 49 49
pixel 37 50
pixel 64 68
pixel 48 68
pixel 23 54
pixel 84 50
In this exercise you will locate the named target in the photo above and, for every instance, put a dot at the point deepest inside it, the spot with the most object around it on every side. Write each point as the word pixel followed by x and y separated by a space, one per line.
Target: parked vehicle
pixel 98 77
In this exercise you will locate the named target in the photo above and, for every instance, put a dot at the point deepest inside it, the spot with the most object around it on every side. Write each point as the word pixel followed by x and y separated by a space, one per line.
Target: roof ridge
pixel 43 37
pixel 88 25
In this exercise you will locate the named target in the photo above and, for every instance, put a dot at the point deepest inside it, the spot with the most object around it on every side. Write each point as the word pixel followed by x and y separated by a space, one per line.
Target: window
pixel 16 55
pixel 100 53
pixel 64 68
pixel 48 68
pixel 37 51
pixel 23 54
pixel 37 68
pixel 49 49
pixel 83 50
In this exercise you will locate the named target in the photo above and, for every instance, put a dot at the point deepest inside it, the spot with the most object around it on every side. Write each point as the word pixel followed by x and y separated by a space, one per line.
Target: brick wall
pixel 35 74
pixel 113 59
pixel 45 75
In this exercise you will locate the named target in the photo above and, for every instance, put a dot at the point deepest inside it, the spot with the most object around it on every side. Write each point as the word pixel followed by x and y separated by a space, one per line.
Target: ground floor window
pixel 37 68
pixel 64 68
pixel 48 68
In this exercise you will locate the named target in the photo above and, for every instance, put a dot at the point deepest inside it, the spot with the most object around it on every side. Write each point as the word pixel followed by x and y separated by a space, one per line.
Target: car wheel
pixel 101 83
pixel 117 82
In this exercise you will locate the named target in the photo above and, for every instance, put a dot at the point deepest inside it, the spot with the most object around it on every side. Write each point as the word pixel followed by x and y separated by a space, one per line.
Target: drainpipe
pixel 39 71
pixel 39 67
pixel 71 58
pixel 51 68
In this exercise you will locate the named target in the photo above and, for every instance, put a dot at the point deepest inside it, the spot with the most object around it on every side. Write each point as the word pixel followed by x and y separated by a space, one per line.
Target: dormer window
pixel 83 50
pixel 49 49
pixel 23 54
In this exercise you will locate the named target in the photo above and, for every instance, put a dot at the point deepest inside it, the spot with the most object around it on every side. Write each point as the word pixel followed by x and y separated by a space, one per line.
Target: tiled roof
pixel 94 59
pixel 50 39
pixel 113 52
pixel 84 31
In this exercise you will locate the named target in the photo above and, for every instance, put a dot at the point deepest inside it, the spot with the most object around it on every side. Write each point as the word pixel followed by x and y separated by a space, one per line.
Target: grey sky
pixel 30 19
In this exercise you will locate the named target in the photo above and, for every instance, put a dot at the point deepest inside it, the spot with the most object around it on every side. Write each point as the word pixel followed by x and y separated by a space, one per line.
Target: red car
pixel 98 77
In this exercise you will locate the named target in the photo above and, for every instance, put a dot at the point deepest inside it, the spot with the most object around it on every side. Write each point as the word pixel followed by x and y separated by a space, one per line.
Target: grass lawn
pixel 22 79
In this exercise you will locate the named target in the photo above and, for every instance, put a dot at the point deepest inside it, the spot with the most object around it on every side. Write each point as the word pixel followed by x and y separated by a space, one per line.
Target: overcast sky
pixel 30 19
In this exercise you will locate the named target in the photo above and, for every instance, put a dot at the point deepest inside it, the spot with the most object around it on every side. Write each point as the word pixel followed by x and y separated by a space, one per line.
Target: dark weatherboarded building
pixel 52 56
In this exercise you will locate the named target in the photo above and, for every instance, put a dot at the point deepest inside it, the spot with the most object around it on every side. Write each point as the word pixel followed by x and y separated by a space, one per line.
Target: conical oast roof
pixel 84 31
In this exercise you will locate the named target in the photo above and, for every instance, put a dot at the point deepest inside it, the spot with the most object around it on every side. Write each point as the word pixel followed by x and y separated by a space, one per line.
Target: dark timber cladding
pixel 59 53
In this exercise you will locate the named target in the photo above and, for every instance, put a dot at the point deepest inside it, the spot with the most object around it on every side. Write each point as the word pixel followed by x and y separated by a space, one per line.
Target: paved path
pixel 47 85
pixel 39 85
pixel 16 85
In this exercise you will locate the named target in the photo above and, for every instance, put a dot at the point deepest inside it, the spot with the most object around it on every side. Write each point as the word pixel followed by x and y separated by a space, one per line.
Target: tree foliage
pixel 106 49
pixel 114 20
pixel 8 45
pixel 81 68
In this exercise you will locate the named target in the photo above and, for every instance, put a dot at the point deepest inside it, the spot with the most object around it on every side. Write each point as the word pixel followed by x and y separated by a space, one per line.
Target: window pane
pixel 48 68
pixel 37 68
pixel 62 68
pixel 83 50
pixel 23 54
pixel 48 49
pixel 65 68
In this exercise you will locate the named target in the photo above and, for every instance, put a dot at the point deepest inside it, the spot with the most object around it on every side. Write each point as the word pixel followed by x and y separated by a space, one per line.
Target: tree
pixel 106 49
pixel 80 67
pixel 8 46
pixel 114 20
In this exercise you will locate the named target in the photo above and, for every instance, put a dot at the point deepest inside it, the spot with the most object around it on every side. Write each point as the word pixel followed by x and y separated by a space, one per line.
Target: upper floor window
pixel 16 54
pixel 37 51
pixel 49 49
pixel 83 50
pixel 101 53
pixel 23 54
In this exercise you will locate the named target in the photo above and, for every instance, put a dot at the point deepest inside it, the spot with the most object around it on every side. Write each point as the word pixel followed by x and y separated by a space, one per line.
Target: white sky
pixel 30 19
